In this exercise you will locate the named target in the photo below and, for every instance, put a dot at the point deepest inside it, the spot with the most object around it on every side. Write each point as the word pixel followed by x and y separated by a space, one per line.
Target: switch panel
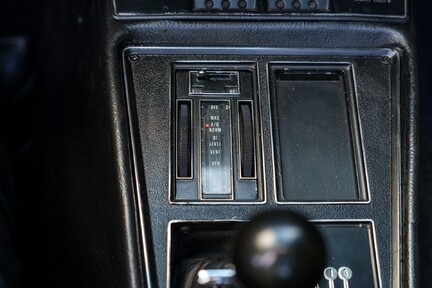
pixel 225 5
pixel 298 5
pixel 217 150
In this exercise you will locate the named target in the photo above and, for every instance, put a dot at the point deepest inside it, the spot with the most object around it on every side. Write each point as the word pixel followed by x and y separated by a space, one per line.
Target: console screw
pixel 133 57
pixel 386 60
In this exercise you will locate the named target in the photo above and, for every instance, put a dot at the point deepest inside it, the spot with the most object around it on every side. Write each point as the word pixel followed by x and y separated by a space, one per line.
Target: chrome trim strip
pixel 360 137
pixel 320 17
pixel 254 51
pixel 258 111
pixel 136 183
pixel 168 260
pixel 211 277
pixel 273 157
pixel 396 173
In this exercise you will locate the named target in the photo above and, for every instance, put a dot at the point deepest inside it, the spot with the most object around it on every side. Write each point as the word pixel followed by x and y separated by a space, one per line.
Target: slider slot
pixel 184 140
pixel 214 83
pixel 247 147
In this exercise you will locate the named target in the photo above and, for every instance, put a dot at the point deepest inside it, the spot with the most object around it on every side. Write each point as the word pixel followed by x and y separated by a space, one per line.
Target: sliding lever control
pixel 279 250
pixel 184 145
pixel 247 149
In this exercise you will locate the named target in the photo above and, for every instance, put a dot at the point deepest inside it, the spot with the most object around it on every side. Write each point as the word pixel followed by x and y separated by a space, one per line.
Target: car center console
pixel 275 128
pixel 222 110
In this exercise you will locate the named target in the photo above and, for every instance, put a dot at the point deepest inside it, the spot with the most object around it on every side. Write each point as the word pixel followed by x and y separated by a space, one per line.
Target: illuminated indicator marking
pixel 215 130
pixel 206 125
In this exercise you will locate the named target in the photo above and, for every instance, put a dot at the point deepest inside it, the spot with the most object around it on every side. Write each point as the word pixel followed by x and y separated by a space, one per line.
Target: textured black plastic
pixel 376 105
pixel 98 237
pixel 315 146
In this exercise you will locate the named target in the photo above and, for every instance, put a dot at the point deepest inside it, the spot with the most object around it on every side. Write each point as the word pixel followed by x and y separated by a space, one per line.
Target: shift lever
pixel 279 250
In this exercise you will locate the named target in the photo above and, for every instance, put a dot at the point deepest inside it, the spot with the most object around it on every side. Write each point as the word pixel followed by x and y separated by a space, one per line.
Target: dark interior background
pixel 424 20
pixel 35 39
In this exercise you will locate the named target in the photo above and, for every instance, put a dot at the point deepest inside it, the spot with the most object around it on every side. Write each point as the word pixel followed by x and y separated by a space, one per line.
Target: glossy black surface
pixel 279 250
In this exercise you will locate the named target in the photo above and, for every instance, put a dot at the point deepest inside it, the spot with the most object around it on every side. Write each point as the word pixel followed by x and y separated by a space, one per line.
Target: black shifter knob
pixel 279 250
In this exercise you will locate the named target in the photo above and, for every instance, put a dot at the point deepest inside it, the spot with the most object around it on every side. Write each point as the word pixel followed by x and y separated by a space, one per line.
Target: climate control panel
pixel 314 132
pixel 217 148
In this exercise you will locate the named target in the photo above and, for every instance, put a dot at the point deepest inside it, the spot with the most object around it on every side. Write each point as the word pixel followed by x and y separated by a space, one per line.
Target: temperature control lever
pixel 247 153
pixel 279 250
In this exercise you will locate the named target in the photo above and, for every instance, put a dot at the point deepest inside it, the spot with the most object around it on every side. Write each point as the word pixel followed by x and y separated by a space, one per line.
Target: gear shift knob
pixel 279 250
